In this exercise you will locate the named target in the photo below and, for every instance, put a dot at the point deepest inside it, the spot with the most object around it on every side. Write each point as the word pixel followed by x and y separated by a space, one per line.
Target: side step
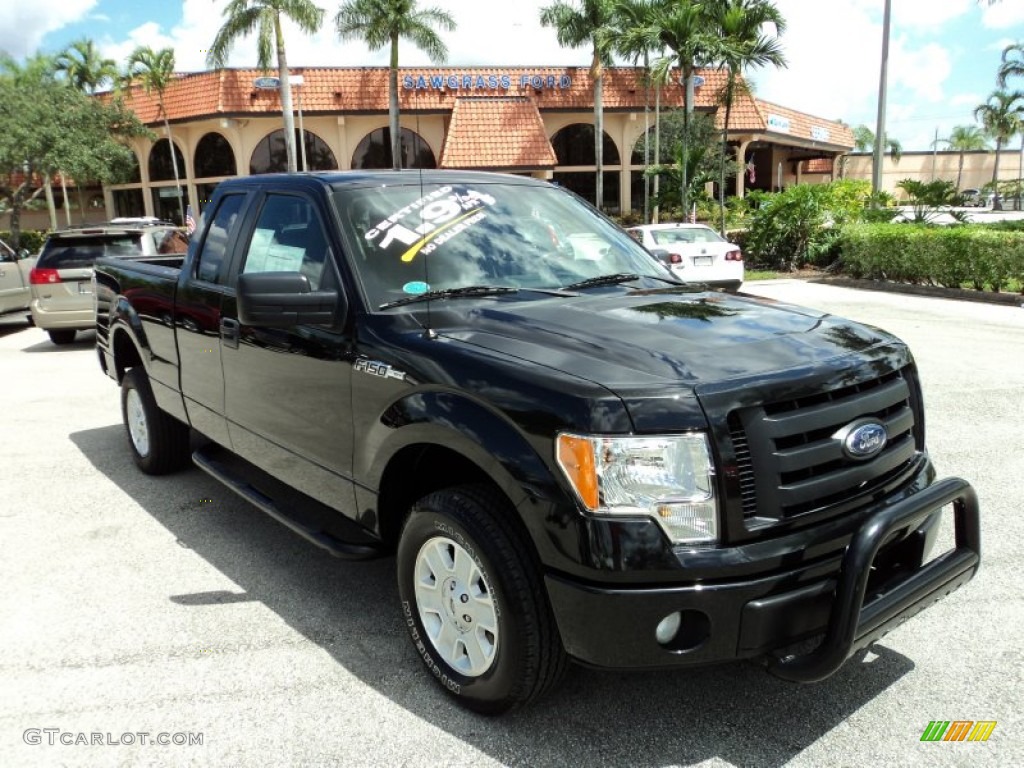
pixel 207 460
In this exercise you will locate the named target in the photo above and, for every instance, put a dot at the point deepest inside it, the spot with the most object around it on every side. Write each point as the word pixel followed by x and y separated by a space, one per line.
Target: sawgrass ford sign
pixel 477 82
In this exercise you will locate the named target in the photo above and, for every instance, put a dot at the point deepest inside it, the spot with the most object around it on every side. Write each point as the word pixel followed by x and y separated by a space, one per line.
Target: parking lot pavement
pixel 133 604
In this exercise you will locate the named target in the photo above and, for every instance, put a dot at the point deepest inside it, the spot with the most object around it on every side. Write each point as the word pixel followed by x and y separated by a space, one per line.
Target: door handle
pixel 229 332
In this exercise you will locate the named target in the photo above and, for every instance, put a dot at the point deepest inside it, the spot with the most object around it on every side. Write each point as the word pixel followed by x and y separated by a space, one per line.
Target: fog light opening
pixel 683 631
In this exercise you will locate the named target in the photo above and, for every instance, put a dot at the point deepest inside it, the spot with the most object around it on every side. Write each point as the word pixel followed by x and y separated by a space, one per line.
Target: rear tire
pixel 159 442
pixel 62 337
pixel 474 602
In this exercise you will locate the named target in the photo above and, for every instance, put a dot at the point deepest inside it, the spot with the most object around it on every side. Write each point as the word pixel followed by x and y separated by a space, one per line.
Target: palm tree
pixel 154 71
pixel 84 67
pixel 1002 116
pixel 591 23
pixel 1012 64
pixel 384 22
pixel 741 25
pixel 686 29
pixel 965 138
pixel 634 37
pixel 864 140
pixel 242 18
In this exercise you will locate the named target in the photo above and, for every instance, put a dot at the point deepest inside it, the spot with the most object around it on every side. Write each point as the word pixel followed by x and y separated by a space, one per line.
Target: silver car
pixel 62 301
pixel 15 294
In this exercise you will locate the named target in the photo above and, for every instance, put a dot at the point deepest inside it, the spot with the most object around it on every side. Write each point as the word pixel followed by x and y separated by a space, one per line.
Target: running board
pixel 322 539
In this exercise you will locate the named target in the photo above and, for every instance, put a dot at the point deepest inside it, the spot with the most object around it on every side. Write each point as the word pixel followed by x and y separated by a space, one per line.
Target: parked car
pixel 15 294
pixel 695 253
pixel 570 454
pixel 61 281
pixel 975 198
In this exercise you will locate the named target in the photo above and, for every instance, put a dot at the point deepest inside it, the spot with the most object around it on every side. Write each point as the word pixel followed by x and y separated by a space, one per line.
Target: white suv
pixel 62 301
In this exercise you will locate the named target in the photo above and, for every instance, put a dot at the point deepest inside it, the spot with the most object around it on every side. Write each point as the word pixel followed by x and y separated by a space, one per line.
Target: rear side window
pixel 79 252
pixel 210 267
pixel 170 241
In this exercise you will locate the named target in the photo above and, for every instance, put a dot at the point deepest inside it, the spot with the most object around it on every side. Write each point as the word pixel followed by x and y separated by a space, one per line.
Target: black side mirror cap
pixel 285 299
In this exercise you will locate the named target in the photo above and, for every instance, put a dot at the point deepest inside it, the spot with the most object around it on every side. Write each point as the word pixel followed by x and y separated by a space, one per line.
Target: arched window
pixel 214 157
pixel 574 145
pixel 270 155
pixel 374 151
pixel 160 168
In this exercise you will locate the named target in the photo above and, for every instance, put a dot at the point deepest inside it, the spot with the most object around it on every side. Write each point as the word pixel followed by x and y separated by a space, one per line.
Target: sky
pixel 943 53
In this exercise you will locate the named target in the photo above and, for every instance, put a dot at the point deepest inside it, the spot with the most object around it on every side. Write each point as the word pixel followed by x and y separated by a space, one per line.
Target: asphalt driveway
pixel 136 605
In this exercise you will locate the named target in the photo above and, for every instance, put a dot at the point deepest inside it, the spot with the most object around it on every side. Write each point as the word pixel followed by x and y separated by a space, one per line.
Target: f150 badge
pixel 377 368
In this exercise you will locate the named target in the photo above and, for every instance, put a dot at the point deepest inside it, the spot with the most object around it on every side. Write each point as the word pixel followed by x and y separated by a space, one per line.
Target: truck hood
pixel 630 341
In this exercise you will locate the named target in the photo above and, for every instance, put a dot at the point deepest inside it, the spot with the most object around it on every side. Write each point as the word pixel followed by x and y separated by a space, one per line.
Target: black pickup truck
pixel 571 454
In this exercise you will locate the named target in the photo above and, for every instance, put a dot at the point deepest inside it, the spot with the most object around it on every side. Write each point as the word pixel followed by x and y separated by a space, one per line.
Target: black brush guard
pixel 853 624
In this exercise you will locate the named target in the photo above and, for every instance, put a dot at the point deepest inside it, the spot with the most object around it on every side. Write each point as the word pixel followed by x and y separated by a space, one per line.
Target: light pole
pixel 296 81
pixel 876 166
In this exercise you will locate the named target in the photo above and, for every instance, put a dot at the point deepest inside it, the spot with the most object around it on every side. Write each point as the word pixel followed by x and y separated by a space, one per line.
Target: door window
pixel 288 238
pixel 215 246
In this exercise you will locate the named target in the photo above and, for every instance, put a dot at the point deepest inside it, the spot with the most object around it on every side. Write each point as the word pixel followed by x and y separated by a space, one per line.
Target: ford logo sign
pixel 862 439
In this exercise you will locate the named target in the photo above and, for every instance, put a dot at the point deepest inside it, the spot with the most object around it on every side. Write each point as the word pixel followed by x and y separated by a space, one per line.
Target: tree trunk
pixel 393 121
pixel 647 139
pixel 597 73
pixel 657 150
pixel 729 85
pixel 960 171
pixel 286 97
pixel 174 167
pixel 51 205
pixel 67 203
pixel 684 192
pixel 997 203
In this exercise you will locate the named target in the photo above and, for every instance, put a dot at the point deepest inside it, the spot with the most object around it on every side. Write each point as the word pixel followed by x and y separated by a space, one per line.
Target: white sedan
pixel 694 253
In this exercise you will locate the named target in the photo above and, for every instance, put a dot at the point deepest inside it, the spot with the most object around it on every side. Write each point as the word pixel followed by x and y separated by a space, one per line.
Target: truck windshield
pixel 411 239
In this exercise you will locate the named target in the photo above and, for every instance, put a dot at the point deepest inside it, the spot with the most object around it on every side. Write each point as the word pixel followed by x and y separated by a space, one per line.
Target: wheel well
pixel 126 355
pixel 414 472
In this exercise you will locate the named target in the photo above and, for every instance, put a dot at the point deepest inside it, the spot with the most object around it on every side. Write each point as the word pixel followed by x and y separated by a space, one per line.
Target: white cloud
pixel 24 24
pixel 922 71
pixel 1003 15
pixel 913 15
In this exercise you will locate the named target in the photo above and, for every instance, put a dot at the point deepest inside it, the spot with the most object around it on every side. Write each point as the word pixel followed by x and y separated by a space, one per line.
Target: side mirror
pixel 24 253
pixel 285 299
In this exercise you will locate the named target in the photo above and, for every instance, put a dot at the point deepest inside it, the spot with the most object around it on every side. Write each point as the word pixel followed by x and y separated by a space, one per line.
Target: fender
pixel 489 440
pixel 125 321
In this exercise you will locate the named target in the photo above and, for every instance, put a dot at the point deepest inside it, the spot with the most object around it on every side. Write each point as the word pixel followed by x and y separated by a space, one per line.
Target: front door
pixel 288 390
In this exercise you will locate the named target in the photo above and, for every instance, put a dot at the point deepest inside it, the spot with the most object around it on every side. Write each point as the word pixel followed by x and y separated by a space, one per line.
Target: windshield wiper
pixel 590 282
pixel 451 293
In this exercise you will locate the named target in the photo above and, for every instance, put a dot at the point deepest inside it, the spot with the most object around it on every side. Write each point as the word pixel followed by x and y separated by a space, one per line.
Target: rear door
pixel 197 317
pixel 288 390
pixel 68 261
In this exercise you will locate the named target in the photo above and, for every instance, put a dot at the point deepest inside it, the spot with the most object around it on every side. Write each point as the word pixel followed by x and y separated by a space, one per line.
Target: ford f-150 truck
pixel 572 455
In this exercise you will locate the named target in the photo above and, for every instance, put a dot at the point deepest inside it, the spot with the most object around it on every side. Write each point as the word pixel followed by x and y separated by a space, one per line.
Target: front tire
pixel 474 603
pixel 159 442
pixel 62 337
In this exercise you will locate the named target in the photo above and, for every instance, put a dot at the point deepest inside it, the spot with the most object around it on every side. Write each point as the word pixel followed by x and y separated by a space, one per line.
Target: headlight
pixel 669 479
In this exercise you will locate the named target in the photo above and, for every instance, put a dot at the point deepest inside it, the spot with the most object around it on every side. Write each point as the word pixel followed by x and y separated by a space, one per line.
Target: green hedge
pixel 31 239
pixel 953 257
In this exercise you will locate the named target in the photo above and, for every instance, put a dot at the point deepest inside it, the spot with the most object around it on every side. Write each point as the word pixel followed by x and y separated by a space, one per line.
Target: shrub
pixel 953 257
pixel 31 239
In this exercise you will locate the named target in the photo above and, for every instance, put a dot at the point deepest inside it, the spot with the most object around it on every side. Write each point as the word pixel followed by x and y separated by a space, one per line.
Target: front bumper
pixel 840 597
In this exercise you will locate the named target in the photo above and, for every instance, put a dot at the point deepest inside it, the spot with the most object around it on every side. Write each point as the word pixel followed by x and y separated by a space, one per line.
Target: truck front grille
pixel 789 463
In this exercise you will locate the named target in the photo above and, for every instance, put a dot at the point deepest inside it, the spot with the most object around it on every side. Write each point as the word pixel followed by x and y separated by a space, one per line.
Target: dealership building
pixel 526 120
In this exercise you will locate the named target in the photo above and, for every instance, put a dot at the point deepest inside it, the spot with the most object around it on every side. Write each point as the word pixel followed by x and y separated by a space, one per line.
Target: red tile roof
pixel 347 90
pixel 497 133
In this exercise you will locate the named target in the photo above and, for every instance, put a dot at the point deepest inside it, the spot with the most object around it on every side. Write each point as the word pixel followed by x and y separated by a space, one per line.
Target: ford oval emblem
pixel 862 439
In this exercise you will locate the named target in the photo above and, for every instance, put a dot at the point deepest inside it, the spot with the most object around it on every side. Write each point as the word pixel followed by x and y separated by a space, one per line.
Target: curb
pixel 930 291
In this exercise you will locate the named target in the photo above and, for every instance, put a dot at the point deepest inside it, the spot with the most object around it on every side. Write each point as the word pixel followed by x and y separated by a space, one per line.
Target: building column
pixel 741 178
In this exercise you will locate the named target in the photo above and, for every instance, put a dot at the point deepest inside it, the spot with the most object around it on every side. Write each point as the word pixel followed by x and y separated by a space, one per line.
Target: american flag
pixel 751 168
pixel 190 222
